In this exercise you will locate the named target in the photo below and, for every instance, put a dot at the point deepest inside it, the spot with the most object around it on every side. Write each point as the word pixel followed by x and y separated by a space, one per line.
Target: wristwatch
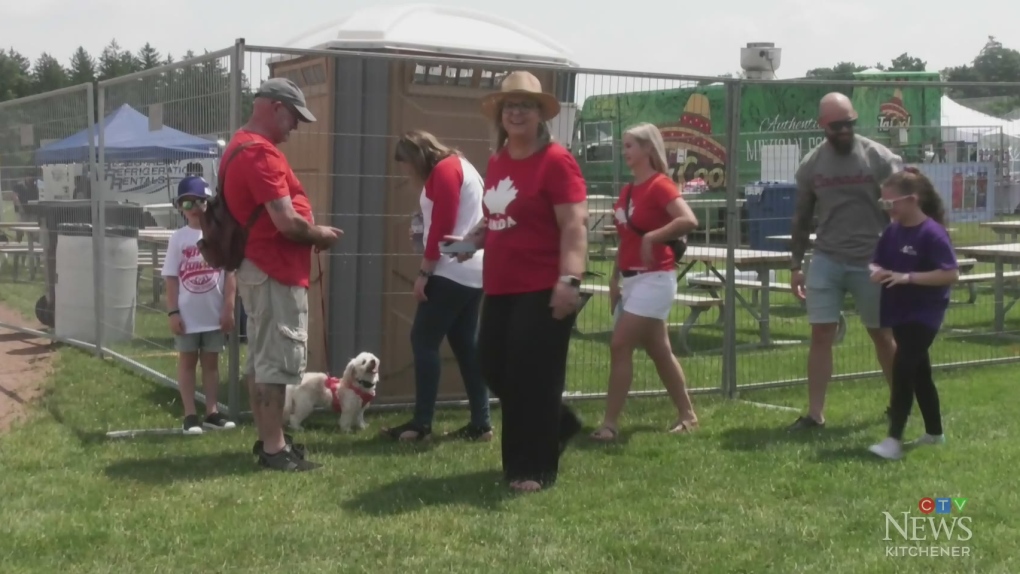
pixel 425 274
pixel 571 280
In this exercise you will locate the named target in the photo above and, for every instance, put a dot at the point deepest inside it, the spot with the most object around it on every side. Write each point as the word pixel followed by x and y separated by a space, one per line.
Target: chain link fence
pixel 733 145
pixel 38 190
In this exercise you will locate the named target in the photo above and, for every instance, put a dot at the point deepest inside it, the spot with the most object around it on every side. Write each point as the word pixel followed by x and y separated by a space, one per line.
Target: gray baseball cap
pixel 286 91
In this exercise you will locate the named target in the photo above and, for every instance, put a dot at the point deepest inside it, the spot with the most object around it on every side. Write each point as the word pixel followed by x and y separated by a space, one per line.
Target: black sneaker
pixel 192 425
pixel 473 433
pixel 217 421
pixel 286 460
pixel 299 449
pixel 805 422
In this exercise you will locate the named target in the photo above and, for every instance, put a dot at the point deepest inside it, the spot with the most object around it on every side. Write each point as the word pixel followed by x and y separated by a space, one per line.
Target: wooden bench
pixel 697 304
pixel 971 280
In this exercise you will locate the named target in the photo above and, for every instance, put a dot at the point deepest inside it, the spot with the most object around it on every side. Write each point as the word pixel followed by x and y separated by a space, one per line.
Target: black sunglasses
pixel 842 125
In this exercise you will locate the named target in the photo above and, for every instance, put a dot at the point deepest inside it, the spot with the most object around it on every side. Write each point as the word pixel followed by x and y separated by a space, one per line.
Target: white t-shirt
pixel 452 201
pixel 200 297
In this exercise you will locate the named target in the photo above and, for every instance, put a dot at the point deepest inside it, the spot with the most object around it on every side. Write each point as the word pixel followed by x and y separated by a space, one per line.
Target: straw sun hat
pixel 520 83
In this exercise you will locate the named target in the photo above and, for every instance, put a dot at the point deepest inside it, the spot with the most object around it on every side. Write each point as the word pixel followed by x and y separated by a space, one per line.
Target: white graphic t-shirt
pixel 200 297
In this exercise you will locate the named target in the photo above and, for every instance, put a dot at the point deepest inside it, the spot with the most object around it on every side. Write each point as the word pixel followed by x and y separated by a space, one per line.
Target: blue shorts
pixel 827 284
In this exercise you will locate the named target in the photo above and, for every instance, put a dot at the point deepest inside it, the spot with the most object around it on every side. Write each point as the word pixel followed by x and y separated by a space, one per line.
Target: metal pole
pixel 234 349
pixel 94 198
pixel 729 356
pixel 99 229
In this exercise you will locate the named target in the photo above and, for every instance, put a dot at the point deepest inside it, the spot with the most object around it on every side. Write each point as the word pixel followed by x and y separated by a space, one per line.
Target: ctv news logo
pixel 942 530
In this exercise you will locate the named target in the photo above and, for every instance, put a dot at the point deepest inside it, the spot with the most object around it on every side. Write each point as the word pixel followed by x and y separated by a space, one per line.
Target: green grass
pixel 738 496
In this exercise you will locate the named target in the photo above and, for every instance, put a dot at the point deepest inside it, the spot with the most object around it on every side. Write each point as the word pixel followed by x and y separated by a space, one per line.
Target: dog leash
pixel 322 302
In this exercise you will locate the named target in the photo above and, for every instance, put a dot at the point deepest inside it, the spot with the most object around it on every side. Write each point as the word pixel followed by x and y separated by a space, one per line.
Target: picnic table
pixel 1009 228
pixel 19 252
pixel 999 255
pixel 761 262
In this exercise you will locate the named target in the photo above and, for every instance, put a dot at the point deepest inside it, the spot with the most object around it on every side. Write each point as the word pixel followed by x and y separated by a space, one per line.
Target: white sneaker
pixel 889 448
pixel 928 439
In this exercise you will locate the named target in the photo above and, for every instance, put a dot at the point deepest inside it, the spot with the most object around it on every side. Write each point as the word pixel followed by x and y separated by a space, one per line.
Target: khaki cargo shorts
pixel 277 327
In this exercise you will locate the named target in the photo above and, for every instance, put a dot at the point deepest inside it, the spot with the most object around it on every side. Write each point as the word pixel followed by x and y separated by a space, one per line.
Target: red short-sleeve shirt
pixel 522 245
pixel 257 174
pixel 648 212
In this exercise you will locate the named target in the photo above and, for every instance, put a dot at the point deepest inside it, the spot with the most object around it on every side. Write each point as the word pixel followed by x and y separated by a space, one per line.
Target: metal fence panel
pixel 366 102
pixel 33 178
pixel 733 146
pixel 969 166
pixel 157 127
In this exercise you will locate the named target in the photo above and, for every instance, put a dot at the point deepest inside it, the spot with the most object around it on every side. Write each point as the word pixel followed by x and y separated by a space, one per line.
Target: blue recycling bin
pixel 770 209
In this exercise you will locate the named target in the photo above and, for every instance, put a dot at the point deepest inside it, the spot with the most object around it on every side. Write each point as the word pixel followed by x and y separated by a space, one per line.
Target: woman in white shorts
pixel 650 214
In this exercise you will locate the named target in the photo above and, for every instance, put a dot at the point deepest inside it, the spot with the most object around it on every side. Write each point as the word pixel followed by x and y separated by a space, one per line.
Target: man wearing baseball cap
pixel 260 189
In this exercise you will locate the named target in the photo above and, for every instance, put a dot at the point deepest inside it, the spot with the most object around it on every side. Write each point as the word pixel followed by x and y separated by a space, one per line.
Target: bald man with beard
pixel 839 182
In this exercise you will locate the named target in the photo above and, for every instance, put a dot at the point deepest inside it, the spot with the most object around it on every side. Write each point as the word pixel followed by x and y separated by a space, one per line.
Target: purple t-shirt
pixel 924 247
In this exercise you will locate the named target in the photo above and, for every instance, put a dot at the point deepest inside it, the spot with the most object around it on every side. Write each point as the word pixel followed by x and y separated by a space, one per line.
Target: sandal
pixel 518 486
pixel 605 433
pixel 422 432
pixel 684 427
pixel 472 433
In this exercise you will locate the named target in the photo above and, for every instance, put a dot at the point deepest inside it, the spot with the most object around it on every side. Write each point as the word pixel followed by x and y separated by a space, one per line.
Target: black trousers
pixel 523 352
pixel 912 377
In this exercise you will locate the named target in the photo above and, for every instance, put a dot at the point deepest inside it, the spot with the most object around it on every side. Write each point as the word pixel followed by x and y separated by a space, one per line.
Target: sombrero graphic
pixel 893 110
pixel 694 131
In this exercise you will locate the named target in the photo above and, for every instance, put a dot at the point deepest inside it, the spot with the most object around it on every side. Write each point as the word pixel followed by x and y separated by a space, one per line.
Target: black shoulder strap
pixel 626 209
pixel 222 192
pixel 225 163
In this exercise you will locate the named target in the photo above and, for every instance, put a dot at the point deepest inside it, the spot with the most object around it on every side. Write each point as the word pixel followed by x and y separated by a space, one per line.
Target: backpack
pixel 223 239
pixel 678 246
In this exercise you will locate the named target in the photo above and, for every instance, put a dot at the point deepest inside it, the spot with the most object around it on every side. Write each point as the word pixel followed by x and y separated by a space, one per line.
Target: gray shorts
pixel 206 342
pixel 827 284
pixel 277 327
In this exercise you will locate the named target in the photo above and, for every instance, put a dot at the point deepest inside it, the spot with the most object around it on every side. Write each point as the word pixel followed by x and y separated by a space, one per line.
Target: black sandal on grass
pixel 423 432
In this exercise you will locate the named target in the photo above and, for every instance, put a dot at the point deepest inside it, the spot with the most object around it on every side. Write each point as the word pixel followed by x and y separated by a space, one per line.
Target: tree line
pixel 194 99
pixel 994 63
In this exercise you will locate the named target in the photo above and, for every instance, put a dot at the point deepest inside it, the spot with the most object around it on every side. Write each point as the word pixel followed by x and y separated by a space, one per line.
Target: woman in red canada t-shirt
pixel 536 244
pixel 649 213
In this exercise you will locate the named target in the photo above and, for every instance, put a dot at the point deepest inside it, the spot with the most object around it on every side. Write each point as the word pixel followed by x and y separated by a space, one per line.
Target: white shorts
pixel 648 294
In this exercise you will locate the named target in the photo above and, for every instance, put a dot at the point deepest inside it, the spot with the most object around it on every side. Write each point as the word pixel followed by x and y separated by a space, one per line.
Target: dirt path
pixel 25 362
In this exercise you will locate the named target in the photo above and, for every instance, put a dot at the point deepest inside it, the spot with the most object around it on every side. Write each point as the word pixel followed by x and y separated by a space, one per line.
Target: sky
pixel 676 37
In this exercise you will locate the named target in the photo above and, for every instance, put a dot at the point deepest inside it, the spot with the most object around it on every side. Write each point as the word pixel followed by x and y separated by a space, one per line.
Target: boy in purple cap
pixel 200 306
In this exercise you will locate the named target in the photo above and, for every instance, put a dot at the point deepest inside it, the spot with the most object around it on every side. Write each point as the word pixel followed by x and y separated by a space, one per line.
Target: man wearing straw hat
pixel 840 181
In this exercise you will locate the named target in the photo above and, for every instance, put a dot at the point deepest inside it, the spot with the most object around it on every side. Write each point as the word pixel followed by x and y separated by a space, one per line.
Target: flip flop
pixel 684 427
pixel 600 434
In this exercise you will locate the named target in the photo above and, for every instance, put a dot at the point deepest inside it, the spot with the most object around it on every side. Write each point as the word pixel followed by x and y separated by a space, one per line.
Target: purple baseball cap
pixel 193 186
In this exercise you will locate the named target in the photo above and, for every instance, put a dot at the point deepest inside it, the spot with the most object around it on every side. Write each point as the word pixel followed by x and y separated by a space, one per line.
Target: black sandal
pixel 394 433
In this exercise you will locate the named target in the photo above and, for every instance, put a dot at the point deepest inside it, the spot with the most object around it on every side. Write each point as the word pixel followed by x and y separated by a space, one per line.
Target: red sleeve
pixel 443 189
pixel 563 180
pixel 663 192
pixel 266 172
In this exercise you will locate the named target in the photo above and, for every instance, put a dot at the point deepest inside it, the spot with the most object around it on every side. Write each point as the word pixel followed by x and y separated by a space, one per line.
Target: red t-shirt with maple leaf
pixel 648 202
pixel 522 245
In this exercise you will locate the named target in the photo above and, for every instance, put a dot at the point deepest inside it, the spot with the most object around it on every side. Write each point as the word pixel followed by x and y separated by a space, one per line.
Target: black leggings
pixel 523 352
pixel 912 376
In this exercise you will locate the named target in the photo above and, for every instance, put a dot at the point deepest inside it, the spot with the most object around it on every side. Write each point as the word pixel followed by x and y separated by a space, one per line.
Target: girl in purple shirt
pixel 916 263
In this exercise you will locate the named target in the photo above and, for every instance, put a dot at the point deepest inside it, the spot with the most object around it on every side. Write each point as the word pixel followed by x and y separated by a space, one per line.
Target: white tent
pixel 960 123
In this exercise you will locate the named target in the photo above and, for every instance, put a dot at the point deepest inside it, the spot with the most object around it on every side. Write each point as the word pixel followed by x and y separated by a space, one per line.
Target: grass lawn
pixel 738 496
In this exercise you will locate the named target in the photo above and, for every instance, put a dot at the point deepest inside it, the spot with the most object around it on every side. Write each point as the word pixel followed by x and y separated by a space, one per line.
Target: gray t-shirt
pixel 843 190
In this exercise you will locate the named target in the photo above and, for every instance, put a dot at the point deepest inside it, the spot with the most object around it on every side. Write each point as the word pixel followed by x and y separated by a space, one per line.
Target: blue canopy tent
pixel 126 138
